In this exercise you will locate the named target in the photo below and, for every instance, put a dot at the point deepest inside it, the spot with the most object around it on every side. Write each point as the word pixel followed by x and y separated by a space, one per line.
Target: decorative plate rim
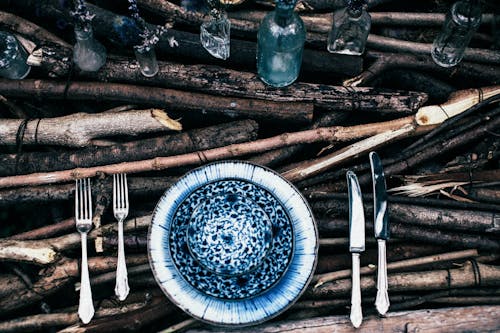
pixel 258 308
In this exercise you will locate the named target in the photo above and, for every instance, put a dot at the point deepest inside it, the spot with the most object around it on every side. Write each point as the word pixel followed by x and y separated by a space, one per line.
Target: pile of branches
pixel 61 124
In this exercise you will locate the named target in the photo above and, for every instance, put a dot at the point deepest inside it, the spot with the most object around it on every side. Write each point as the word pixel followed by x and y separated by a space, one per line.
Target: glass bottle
pixel 146 57
pixel 280 43
pixel 461 22
pixel 215 33
pixel 350 29
pixel 12 57
pixel 88 54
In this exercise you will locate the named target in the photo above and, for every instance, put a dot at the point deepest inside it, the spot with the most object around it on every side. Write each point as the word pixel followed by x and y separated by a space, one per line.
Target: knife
pixel 356 244
pixel 381 227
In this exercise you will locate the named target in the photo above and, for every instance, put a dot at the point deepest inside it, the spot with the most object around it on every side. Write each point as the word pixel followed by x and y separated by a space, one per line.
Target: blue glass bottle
pixel 280 43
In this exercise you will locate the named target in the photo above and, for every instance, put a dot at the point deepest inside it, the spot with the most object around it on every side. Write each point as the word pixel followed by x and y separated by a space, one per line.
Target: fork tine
pixel 126 190
pixel 89 197
pixel 120 191
pixel 77 202
pixel 85 199
pixel 122 188
pixel 115 180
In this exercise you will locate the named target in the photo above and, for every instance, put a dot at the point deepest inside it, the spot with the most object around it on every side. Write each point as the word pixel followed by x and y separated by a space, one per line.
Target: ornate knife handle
pixel 121 288
pixel 85 307
pixel 382 301
pixel 356 312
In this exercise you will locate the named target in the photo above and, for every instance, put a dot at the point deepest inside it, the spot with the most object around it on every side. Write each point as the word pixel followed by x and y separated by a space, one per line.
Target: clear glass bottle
pixel 88 54
pixel 461 22
pixel 215 33
pixel 350 29
pixel 280 43
pixel 146 57
pixel 12 57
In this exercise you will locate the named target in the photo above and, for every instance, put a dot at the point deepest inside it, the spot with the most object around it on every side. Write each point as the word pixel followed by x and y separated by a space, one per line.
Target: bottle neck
pixel 283 15
pixel 83 33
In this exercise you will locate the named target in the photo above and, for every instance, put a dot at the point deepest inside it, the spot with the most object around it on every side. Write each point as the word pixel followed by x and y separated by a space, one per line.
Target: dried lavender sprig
pixel 81 15
pixel 149 37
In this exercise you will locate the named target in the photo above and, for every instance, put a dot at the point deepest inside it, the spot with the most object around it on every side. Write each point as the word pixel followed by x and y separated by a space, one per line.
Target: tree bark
pixel 188 102
pixel 228 82
pixel 181 143
pixel 79 129
pixel 464 319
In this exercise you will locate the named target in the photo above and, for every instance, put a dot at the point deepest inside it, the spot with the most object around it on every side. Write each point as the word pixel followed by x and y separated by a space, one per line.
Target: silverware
pixel 83 218
pixel 381 227
pixel 120 210
pixel 356 244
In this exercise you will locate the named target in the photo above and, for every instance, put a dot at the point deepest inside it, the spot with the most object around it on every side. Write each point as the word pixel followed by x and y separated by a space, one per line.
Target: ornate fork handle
pixel 121 288
pixel 86 307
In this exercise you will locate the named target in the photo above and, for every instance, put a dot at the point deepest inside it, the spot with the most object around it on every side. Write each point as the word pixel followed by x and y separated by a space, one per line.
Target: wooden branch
pixel 313 167
pixel 29 30
pixel 54 277
pixel 483 74
pixel 397 45
pixel 463 277
pixel 47 251
pixel 79 129
pixel 424 216
pixel 392 266
pixel 227 82
pixel 410 232
pixel 173 99
pixel 457 103
pixel 193 140
pixel 464 319
pixel 160 163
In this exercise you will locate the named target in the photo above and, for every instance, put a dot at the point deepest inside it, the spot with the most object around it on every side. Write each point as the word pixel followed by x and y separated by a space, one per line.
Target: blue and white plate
pixel 233 243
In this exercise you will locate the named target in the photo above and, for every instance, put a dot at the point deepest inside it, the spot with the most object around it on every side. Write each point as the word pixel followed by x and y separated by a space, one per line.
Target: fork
pixel 83 218
pixel 120 210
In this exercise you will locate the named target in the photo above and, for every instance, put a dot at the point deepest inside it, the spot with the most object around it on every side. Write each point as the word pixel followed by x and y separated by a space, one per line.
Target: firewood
pixel 227 82
pixel 484 74
pixel 391 266
pixel 456 104
pixel 461 319
pixel 466 276
pixel 431 217
pixel 173 99
pixel 79 129
pixel 396 45
pixel 174 144
pixel 160 163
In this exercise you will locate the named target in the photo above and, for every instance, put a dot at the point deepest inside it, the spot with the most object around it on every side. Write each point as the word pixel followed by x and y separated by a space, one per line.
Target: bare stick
pixel 403 264
pixel 397 45
pixel 161 163
pixel 196 103
pixel 78 130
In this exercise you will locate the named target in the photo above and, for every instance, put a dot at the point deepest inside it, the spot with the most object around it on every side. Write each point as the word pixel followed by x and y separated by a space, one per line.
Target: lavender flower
pixel 148 37
pixel 81 16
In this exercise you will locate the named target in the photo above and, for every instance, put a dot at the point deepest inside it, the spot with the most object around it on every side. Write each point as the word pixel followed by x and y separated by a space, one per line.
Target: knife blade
pixel 356 244
pixel 381 228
